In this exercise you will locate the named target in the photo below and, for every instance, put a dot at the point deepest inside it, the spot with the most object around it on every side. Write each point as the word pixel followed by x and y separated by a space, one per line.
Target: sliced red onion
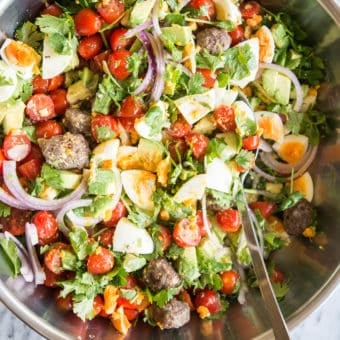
pixel 11 201
pixel 134 31
pixel 39 274
pixel 293 78
pixel 158 52
pixel 13 184
pixel 265 146
pixel 266 176
pixel 155 20
pixel 151 64
pixel 25 269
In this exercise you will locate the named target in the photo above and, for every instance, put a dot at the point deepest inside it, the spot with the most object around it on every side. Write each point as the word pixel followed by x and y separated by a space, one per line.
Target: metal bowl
pixel 313 267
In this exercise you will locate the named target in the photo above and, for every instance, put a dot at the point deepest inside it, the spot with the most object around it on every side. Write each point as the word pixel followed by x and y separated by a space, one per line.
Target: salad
pixel 130 131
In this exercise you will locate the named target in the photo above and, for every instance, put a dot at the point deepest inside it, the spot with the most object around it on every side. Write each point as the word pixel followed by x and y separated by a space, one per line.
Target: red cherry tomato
pixel 40 107
pixel 131 107
pixel 97 64
pixel 87 22
pixel 177 149
pixel 266 208
pixel 128 123
pixel 52 9
pixel 229 220
pixel 224 117
pixel 2 158
pixel 98 304
pixel 209 299
pixel 131 314
pixel 186 233
pixel 277 276
pixel 165 237
pixel 209 77
pixel 117 213
pixel 179 128
pixel 30 169
pixel 249 9
pixel 16 145
pixel 64 303
pixel 104 127
pixel 90 46
pixel 118 64
pixel 47 227
pixel 59 100
pixel 230 280
pixel 15 222
pixel 53 258
pixel 251 143
pixel 35 153
pixel 198 143
pixel 200 223
pixel 56 82
pixel 237 35
pixel 131 282
pixel 100 262
pixel 51 279
pixel 126 303
pixel 111 10
pixel 48 129
pixel 207 5
pixel 40 85
pixel 106 237
pixel 118 40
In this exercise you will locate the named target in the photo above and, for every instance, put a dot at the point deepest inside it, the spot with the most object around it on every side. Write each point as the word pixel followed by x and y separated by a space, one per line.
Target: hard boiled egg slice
pixel 106 151
pixel 8 81
pixel 219 176
pixel 129 238
pixel 271 125
pixel 192 190
pixel 227 10
pixel 267 44
pixel 292 148
pixel 245 118
pixel 21 57
pixel 139 186
pixel 304 184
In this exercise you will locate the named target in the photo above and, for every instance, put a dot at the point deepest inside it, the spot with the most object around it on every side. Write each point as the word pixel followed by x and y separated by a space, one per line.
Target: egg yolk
pixel 22 55
pixel 292 152
pixel 272 128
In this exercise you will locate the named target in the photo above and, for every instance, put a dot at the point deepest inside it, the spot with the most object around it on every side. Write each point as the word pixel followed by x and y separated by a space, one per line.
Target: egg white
pixel 267 44
pixel 6 91
pixel 275 131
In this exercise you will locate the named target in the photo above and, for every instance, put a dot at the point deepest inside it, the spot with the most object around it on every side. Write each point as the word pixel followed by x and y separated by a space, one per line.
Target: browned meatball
pixel 68 151
pixel 77 121
pixel 174 314
pixel 298 217
pixel 214 40
pixel 159 274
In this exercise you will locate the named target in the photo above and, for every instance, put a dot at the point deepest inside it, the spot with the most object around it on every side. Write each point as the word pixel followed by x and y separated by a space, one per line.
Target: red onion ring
pixel 34 203
pixel 265 146
pixel 134 31
pixel 293 78
pixel 155 21
pixel 26 268
pixel 39 274
pixel 11 201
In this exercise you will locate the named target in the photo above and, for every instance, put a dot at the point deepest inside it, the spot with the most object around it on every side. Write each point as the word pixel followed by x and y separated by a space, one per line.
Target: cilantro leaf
pixel 81 244
pixel 195 84
pixel 245 159
pixel 29 34
pixel 156 118
pixel 5 210
pixel 222 199
pixel 51 176
pixel 135 63
pixel 10 263
pixel 162 297
pixel 206 60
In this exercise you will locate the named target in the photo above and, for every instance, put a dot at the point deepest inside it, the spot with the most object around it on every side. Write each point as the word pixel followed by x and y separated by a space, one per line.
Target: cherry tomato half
pixel 131 314
pixel 87 22
pixel 198 143
pixel 52 9
pixel 100 262
pixel 251 143
pixel 106 237
pixel 40 107
pixel 56 82
pixel 53 258
pixel 118 40
pixel 117 213
pixel 59 98
pixel 237 35
pixel 165 237
pixel 47 227
pixel 229 220
pixel 16 145
pixel 249 9
pixel 186 233
pixel 208 76
pixel 30 169
pixel 207 5
pixel 131 107
pixel 111 10
pixel 48 129
pixel 266 208
pixel 209 299
pixel 90 46
pixel 230 280
pixel 40 85
pixel 179 128
pixel 224 117
pixel 104 127
pixel 118 64
pixel 200 223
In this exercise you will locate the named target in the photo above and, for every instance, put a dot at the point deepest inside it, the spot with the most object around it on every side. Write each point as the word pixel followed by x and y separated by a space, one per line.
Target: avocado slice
pixel 13 115
pixel 179 35
pixel 140 12
pixel 277 86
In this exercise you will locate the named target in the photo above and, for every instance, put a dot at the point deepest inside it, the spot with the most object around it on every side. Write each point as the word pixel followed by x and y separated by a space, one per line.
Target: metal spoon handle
pixel 274 313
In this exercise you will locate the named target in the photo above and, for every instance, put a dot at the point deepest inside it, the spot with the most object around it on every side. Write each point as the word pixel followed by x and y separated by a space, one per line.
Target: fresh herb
pixel 135 64
pixel 245 159
pixel 5 210
pixel 206 60
pixel 222 199
pixel 29 34
pixel 10 263
pixel 81 243
pixel 195 84
pixel 162 297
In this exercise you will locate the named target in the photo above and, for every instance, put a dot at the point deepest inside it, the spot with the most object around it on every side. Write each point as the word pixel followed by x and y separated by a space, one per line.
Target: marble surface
pixel 324 323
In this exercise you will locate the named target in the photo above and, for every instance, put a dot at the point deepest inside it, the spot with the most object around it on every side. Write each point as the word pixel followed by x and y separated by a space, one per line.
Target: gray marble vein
pixel 322 324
